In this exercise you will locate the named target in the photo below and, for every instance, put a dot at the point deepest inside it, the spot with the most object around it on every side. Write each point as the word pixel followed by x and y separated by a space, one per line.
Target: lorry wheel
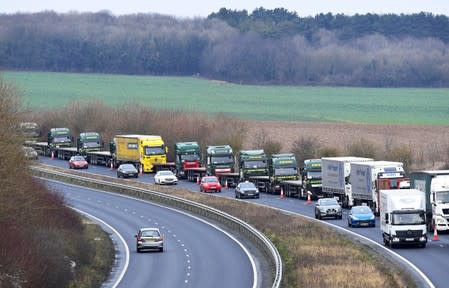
pixel 391 244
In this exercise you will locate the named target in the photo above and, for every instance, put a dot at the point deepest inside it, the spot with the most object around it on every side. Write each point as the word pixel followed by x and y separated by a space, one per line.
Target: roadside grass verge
pixel 314 255
pixel 100 257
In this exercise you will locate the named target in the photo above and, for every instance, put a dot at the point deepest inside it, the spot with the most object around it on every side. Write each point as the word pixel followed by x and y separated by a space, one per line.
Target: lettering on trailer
pixel 332 167
pixel 132 146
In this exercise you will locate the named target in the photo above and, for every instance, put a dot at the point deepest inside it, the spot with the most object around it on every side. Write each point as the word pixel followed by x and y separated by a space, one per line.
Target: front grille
pixel 446 211
pixel 331 211
pixel 409 233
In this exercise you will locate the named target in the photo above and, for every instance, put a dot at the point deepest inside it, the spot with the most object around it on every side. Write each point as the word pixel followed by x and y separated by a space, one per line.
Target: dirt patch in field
pixel 430 144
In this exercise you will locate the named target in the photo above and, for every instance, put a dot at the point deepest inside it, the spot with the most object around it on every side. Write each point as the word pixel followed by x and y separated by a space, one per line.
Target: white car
pixel 165 177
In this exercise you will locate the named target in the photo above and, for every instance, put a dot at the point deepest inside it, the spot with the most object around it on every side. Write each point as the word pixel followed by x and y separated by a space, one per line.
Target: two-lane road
pixel 431 261
pixel 196 254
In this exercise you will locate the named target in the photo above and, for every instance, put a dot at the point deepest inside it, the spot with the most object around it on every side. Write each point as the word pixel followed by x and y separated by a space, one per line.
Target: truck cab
pixel 144 151
pixel 282 167
pixel 252 163
pixel 311 177
pixel 219 159
pixel 59 137
pixel 403 217
pixel 89 142
pixel 30 131
pixel 435 185
pixel 187 155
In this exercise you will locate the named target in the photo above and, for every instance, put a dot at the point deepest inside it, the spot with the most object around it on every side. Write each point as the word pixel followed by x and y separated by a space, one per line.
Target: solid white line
pixel 424 277
pixel 125 267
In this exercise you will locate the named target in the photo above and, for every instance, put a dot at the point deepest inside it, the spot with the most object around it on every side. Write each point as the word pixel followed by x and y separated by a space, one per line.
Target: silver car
pixel 149 238
pixel 30 153
pixel 327 207
pixel 246 189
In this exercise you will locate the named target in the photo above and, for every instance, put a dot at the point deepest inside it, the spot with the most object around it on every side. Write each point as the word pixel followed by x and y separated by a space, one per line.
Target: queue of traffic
pixel 408 206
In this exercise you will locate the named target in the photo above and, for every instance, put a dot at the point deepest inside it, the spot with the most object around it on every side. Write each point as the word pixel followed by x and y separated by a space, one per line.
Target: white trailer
pixel 435 184
pixel 403 217
pixel 335 173
pixel 367 178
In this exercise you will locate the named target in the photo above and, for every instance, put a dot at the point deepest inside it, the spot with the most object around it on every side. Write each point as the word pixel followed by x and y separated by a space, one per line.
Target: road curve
pixel 430 261
pixel 196 254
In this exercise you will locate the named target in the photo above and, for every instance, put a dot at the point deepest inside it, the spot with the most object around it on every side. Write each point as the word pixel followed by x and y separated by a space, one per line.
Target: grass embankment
pixel 282 103
pixel 101 257
pixel 313 255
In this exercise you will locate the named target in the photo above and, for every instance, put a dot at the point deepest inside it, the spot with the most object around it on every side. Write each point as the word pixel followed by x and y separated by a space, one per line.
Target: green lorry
pixel 187 159
pixel 30 131
pixel 311 178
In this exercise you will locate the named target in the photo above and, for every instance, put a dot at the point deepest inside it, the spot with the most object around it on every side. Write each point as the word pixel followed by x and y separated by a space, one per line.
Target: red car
pixel 210 184
pixel 78 162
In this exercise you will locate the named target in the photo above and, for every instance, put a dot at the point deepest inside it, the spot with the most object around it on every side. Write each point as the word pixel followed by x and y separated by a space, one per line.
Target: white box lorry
pixel 403 217
pixel 367 178
pixel 335 173
pixel 435 184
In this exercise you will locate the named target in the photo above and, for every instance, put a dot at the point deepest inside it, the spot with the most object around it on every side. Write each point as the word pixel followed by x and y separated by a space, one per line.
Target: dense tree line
pixel 39 235
pixel 264 47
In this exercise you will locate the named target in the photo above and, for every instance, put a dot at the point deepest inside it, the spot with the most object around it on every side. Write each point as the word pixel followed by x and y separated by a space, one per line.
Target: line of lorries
pixel 421 198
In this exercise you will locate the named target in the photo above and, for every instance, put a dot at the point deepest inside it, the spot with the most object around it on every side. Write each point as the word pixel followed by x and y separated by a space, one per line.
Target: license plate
pixel 409 239
pixel 363 224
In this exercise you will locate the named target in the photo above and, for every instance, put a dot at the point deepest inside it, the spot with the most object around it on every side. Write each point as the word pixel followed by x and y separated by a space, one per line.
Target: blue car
pixel 361 216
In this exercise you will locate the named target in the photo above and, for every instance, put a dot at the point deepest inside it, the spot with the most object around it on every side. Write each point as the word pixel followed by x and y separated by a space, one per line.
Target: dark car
pixel 78 162
pixel 245 190
pixel 126 171
pixel 361 216
pixel 210 184
pixel 327 207
pixel 149 238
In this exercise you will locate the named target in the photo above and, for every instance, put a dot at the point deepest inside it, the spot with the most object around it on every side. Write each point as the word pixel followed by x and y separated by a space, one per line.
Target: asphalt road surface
pixel 432 261
pixel 196 254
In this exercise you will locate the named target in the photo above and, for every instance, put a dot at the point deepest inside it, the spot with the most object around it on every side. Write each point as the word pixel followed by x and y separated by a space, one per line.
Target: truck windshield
pixel 413 218
pixel 314 175
pixel 442 197
pixel 255 164
pixel 158 150
pixel 91 144
pixel 190 157
pixel 61 139
pixel 285 171
pixel 221 159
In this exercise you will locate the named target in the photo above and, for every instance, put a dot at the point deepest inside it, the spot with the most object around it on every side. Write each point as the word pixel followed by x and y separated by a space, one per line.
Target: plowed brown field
pixel 430 144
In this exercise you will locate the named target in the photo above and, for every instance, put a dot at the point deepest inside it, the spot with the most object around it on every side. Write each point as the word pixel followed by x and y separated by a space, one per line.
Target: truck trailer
pixel 367 178
pixel 435 185
pixel 57 138
pixel 335 173
pixel 403 217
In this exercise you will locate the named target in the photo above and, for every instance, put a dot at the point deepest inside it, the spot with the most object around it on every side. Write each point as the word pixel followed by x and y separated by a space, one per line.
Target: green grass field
pixel 284 103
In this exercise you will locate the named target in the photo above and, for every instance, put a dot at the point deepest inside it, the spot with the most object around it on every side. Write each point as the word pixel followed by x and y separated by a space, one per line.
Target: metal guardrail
pixel 260 240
